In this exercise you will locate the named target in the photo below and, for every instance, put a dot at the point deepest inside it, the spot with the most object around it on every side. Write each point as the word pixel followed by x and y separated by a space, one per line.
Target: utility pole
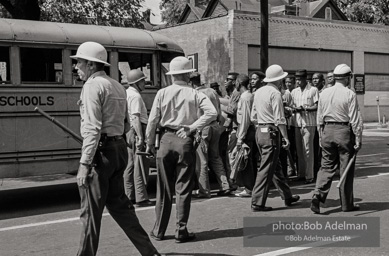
pixel 264 58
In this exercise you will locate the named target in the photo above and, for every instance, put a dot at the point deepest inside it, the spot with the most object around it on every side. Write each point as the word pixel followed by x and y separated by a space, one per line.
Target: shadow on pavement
pixel 217 234
pixel 32 201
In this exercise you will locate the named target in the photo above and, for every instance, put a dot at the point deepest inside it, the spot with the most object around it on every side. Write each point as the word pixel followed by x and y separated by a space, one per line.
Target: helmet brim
pixel 80 56
pixel 176 72
pixel 269 80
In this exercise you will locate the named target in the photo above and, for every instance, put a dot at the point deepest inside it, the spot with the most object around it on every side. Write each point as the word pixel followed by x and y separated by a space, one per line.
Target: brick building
pixel 223 38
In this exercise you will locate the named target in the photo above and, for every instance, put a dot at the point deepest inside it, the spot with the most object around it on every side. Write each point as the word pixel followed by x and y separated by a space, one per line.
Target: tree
pixel 366 11
pixel 123 13
pixel 171 10
pixel 20 9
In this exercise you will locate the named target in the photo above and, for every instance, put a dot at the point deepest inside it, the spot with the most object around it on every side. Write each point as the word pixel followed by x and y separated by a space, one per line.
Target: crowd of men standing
pixel 244 138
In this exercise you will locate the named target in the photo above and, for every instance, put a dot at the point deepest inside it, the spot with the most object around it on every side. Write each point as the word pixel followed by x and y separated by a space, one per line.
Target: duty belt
pixel 170 130
pixel 105 137
pixel 336 123
pixel 265 124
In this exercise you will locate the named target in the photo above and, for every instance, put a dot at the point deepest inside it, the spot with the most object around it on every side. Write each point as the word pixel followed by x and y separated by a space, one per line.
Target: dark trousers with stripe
pixel 338 148
pixel 106 189
pixel 270 167
pixel 176 168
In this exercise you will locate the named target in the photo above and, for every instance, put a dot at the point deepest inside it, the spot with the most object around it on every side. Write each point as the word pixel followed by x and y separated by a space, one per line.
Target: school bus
pixel 36 71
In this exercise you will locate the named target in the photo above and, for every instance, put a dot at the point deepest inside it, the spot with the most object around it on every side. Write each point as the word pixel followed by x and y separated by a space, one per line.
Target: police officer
pixel 340 133
pixel 137 172
pixel 268 114
pixel 103 110
pixel 175 110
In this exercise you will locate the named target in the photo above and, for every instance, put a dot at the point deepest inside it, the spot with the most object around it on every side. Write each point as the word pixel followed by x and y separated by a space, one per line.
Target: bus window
pixel 141 61
pixel 41 65
pixel 4 65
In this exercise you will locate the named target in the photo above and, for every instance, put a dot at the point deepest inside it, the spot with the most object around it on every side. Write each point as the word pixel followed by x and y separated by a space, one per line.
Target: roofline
pixel 195 21
pixel 324 2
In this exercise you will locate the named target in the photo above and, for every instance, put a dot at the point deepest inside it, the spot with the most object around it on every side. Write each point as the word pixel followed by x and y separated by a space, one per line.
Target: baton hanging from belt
pixel 348 167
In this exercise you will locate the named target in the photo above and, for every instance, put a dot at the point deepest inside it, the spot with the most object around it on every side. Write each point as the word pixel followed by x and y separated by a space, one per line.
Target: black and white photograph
pixel 194 127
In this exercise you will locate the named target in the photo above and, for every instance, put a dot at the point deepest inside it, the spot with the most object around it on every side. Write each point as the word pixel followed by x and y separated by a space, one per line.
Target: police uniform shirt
pixel 243 112
pixel 136 105
pixel 268 106
pixel 339 104
pixel 103 109
pixel 308 97
pixel 176 106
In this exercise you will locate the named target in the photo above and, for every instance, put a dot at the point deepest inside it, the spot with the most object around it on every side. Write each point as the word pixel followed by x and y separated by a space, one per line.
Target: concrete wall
pixel 210 39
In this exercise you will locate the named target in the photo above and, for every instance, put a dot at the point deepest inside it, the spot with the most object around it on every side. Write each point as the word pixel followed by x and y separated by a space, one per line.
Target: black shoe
pixel 145 203
pixel 315 204
pixel 224 192
pixel 293 199
pixel 260 208
pixel 157 238
pixel 184 239
pixel 355 208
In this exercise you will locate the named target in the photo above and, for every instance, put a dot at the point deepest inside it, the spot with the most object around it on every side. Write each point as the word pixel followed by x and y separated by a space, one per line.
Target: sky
pixel 154 6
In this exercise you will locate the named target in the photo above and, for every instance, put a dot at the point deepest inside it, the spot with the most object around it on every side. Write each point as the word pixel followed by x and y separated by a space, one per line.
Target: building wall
pixel 296 33
pixel 223 45
pixel 210 40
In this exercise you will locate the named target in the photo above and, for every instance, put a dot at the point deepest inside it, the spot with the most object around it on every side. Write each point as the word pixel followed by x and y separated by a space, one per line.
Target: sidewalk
pixel 375 125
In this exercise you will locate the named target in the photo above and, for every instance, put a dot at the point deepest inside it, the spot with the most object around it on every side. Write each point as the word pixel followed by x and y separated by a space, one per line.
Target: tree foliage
pixel 122 13
pixel 171 10
pixel 366 11
pixel 20 9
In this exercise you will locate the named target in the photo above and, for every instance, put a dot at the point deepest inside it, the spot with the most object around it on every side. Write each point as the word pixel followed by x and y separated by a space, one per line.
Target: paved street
pixel 41 218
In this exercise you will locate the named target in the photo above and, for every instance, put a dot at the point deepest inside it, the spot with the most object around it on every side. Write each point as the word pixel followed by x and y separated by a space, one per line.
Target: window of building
pixel 5 76
pixel 41 65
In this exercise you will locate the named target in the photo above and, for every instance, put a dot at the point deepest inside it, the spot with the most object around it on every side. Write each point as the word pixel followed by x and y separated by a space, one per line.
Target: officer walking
pixel 175 110
pixel 268 114
pixel 103 110
pixel 137 172
pixel 340 133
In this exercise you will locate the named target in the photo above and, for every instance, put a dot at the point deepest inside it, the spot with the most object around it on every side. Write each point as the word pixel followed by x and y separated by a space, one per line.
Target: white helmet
pixel 134 76
pixel 274 73
pixel 93 52
pixel 342 70
pixel 180 65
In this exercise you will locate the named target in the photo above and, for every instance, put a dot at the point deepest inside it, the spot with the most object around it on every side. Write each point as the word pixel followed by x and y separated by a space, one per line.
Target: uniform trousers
pixel 338 148
pixel 207 155
pixel 269 142
pixel 176 168
pixel 106 189
pixel 305 151
pixel 135 178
